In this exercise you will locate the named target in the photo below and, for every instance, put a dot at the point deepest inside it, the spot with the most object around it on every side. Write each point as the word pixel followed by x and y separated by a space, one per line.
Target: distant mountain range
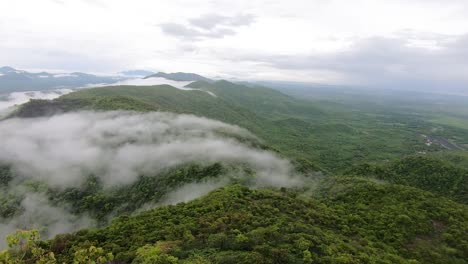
pixel 180 77
pixel 18 80
pixel 14 80
pixel 137 73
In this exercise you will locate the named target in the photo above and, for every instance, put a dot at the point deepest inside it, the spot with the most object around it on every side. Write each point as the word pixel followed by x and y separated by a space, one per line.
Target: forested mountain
pixel 137 73
pixel 179 76
pixel 427 173
pixel 370 223
pixel 13 80
pixel 282 180
pixel 326 133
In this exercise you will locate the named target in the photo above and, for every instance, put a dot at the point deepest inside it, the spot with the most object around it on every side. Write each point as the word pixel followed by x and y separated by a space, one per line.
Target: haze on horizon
pixel 406 44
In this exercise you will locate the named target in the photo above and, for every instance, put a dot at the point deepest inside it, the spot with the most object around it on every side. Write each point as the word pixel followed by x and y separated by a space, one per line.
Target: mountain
pixel 179 76
pixel 137 73
pixel 424 172
pixel 221 100
pixel 393 208
pixel 332 135
pixel 352 220
pixel 262 100
pixel 7 69
pixel 13 80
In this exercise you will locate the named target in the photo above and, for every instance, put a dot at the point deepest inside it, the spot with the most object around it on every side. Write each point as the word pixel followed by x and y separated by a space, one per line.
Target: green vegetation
pixel 332 136
pixel 457 158
pixel 426 173
pixel 94 199
pixel 451 121
pixel 388 197
pixel 349 221
pixel 179 76
pixel 25 246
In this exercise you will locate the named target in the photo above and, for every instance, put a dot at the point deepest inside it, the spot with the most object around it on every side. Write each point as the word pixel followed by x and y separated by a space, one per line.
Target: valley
pixel 336 165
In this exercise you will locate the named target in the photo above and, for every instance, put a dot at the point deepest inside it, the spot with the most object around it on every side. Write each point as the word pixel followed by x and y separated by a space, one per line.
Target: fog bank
pixel 10 100
pixel 117 147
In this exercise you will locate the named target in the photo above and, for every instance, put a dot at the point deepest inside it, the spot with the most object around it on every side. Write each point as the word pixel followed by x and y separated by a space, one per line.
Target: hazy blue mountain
pixel 137 73
pixel 180 76
pixel 12 80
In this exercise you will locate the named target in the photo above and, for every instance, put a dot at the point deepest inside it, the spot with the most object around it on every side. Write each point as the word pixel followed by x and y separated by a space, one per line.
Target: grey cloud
pixel 184 32
pixel 208 21
pixel 207 26
pixel 211 21
pixel 179 30
pixel 389 62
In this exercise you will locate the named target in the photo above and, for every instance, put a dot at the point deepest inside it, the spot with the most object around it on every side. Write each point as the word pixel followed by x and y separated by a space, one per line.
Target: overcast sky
pixel 371 42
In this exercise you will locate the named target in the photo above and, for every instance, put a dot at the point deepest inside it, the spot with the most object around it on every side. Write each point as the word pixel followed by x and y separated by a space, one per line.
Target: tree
pixel 155 254
pixel 92 255
pixel 23 246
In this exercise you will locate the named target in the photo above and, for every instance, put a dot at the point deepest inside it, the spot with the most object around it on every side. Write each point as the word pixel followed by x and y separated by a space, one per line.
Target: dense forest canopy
pixel 268 178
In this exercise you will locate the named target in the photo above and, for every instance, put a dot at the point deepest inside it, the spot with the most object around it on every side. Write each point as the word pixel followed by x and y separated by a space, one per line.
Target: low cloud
pixel 38 213
pixel 8 102
pixel 117 147
pixel 181 85
pixel 120 146
pixel 145 82
pixel 190 191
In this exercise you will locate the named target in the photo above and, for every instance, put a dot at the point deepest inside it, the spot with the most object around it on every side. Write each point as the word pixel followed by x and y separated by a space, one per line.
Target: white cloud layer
pixel 181 85
pixel 119 146
pixel 147 82
pixel 39 213
pixel 8 102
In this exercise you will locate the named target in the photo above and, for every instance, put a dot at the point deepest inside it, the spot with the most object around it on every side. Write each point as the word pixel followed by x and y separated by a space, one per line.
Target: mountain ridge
pixel 13 80
pixel 179 76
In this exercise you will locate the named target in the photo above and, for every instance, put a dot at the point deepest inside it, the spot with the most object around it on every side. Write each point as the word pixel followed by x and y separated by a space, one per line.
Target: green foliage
pixel 383 211
pixel 419 223
pixel 92 255
pixel 456 158
pixel 351 220
pixel 24 247
pixel 94 199
pixel 328 135
pixel 5 175
pixel 155 254
pixel 423 172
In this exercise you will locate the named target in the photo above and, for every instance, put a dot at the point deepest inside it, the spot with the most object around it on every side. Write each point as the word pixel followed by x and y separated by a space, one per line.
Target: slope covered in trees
pixel 348 220
pixel 326 134
pixel 427 173
pixel 387 210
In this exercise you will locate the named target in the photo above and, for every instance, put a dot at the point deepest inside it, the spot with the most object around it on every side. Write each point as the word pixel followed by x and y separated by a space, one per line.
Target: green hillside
pixel 427 173
pixel 98 201
pixel 179 76
pixel 352 221
pixel 261 100
pixel 374 205
pixel 326 134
